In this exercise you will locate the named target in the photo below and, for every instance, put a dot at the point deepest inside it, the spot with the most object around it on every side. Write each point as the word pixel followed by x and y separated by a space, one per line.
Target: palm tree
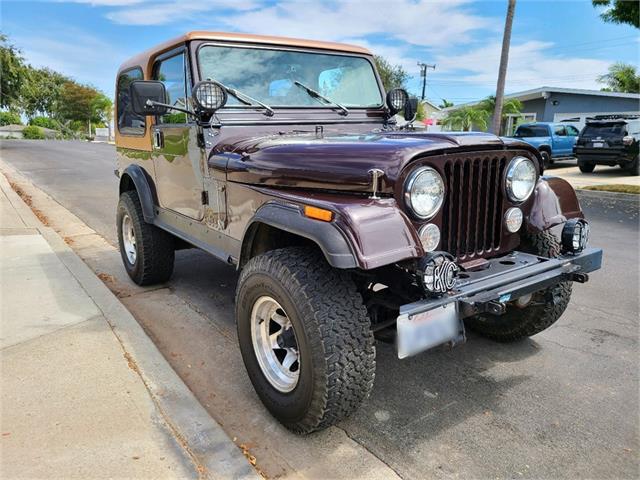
pixel 466 118
pixel 510 106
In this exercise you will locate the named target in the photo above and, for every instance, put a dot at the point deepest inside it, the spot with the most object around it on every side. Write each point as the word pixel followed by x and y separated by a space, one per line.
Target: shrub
pixel 10 118
pixel 44 122
pixel 33 132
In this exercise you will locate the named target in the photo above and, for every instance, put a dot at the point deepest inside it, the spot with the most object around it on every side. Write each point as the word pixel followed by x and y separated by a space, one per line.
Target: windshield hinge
pixel 205 198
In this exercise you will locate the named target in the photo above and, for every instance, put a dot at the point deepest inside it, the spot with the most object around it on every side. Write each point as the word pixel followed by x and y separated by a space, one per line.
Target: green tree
pixel 12 75
pixel 445 104
pixel 101 108
pixel 622 77
pixel 620 11
pixel 466 118
pixel 10 118
pixel 41 92
pixel 392 76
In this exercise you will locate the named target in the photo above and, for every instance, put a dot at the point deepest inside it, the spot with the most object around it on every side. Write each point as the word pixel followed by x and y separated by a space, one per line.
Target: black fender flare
pixel 289 218
pixel 143 185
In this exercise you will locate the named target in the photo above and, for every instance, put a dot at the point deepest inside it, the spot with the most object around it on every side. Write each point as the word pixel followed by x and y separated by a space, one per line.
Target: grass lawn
pixel 618 188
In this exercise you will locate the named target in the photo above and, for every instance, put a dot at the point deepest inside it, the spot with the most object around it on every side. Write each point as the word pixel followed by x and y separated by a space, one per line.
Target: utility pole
pixel 423 74
pixel 502 72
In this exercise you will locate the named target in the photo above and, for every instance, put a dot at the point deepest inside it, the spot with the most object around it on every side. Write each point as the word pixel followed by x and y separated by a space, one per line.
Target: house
pixel 553 104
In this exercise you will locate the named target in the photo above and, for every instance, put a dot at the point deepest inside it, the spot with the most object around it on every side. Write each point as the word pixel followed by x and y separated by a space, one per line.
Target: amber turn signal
pixel 318 213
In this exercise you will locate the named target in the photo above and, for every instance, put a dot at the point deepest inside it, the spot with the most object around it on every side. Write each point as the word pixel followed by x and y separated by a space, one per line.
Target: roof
pixel 431 104
pixel 143 58
pixel 541 92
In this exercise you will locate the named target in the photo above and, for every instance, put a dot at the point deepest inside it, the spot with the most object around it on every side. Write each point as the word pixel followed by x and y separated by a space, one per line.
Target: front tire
pixel 147 251
pixel 544 309
pixel 546 158
pixel 291 302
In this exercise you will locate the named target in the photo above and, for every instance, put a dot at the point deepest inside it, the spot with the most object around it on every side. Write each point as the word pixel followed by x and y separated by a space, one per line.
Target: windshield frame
pixel 228 108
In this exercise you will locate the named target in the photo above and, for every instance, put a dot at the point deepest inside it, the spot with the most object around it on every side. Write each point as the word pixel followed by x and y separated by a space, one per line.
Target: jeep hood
pixel 340 161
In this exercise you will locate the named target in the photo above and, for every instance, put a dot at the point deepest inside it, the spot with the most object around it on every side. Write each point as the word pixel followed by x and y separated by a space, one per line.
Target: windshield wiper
pixel 313 94
pixel 247 100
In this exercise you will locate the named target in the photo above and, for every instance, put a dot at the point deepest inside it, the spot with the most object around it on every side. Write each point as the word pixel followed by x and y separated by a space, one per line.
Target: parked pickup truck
pixel 283 158
pixel 555 141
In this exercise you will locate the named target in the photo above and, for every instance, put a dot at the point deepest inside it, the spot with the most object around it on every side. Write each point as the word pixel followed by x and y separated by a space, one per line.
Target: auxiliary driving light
pixel 513 219
pixel 430 237
pixel 438 272
pixel 575 235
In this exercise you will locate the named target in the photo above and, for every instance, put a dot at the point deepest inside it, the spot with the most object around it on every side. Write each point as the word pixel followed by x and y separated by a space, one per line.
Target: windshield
pixel 532 131
pixel 605 130
pixel 269 76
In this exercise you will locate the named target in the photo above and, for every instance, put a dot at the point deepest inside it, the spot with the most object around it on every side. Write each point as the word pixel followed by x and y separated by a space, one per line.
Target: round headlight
pixel 430 237
pixel 424 192
pixel 521 179
pixel 396 99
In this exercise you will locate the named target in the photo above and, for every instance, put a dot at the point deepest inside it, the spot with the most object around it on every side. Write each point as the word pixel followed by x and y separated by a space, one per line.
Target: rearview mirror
pixel 411 109
pixel 147 97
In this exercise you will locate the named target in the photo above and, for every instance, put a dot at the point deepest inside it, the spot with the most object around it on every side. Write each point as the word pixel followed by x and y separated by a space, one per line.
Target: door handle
pixel 158 139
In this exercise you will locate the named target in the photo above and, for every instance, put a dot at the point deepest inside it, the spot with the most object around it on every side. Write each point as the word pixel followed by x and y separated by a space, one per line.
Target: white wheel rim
pixel 274 344
pixel 129 239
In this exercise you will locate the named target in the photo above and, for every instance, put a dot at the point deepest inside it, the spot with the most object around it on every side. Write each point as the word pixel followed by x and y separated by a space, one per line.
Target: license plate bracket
pixel 425 330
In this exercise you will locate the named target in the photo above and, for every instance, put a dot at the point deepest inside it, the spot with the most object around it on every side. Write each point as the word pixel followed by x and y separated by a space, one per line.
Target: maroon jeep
pixel 283 158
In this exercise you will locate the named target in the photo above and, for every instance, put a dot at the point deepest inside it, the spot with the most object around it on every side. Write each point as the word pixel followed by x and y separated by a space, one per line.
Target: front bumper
pixel 505 279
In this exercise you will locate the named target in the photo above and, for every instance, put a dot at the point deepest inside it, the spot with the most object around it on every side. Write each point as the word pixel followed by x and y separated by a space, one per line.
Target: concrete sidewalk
pixel 84 393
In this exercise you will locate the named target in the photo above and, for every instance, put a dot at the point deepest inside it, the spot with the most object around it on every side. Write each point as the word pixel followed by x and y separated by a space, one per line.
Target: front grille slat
pixel 472 215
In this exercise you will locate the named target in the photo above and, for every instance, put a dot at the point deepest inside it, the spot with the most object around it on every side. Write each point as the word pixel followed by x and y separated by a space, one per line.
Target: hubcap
pixel 129 239
pixel 274 343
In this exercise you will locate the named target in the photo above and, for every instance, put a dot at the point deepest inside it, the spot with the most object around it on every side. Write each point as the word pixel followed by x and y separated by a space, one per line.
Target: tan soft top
pixel 143 59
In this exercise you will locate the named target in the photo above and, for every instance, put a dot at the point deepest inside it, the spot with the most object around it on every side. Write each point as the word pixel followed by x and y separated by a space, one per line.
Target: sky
pixel 554 43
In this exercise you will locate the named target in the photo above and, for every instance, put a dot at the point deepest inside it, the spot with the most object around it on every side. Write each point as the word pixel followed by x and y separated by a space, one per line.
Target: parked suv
pixel 555 141
pixel 281 157
pixel 610 140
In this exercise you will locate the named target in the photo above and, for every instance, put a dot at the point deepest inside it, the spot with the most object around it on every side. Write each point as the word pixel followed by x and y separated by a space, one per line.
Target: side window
pixel 559 130
pixel 172 72
pixel 572 131
pixel 129 123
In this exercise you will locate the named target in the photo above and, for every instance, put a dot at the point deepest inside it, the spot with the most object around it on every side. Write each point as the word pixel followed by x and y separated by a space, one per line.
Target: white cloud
pixel 166 12
pixel 420 22
pixel 531 64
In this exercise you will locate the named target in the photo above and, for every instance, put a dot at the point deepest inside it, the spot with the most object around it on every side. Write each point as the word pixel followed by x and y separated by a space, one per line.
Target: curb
pixel 213 452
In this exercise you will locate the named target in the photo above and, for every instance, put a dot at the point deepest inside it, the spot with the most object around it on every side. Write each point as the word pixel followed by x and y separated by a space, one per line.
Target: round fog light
pixel 513 219
pixel 575 235
pixel 438 272
pixel 430 237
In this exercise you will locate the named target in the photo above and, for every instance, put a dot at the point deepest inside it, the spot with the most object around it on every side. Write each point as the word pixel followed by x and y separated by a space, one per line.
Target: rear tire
pixel 147 251
pixel 545 308
pixel 334 347
pixel 586 167
pixel 634 167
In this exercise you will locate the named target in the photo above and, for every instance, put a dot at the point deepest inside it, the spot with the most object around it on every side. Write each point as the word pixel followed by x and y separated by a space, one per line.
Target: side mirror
pixel 411 109
pixel 148 97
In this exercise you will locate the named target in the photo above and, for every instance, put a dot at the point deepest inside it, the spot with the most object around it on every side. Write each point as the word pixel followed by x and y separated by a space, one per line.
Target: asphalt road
pixel 562 404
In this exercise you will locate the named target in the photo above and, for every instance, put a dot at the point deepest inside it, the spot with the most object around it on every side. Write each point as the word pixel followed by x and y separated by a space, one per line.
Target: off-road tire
pixel 540 314
pixel 586 167
pixel 332 328
pixel 155 252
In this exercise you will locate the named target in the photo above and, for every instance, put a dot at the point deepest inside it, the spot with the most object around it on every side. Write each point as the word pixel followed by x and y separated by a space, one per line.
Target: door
pixel 572 136
pixel 561 143
pixel 177 158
